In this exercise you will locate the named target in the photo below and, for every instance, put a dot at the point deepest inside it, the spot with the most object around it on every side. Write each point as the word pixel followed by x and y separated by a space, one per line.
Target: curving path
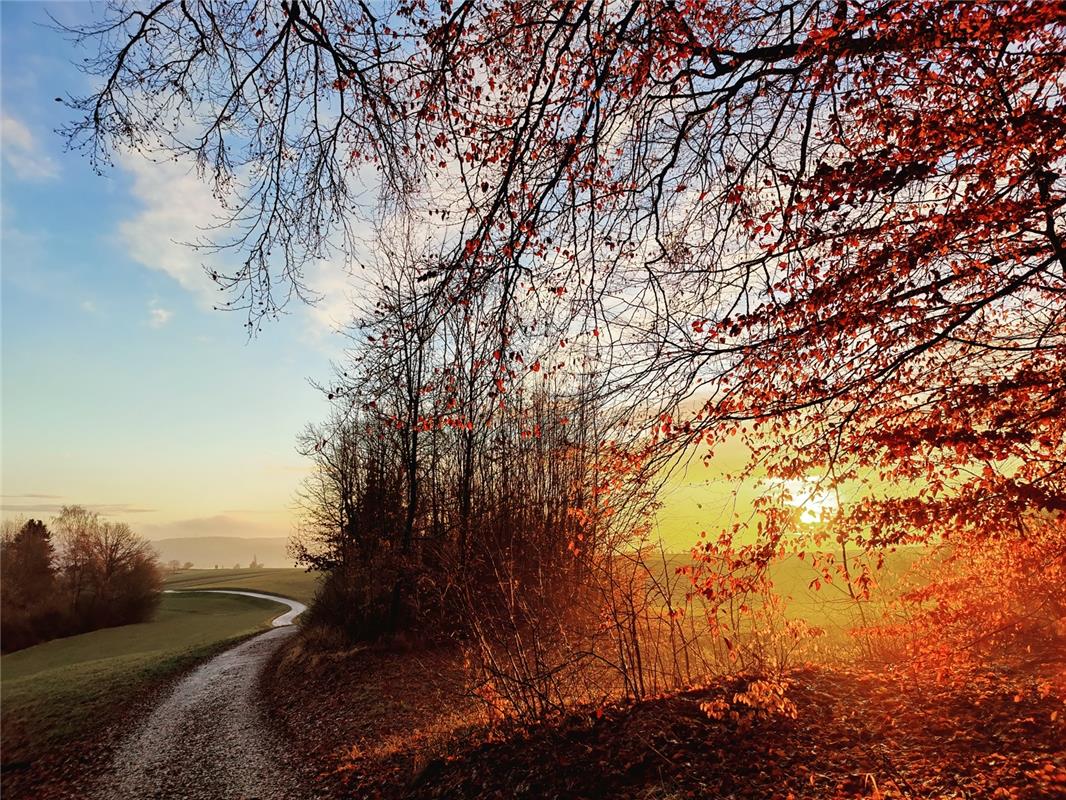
pixel 207 739
pixel 296 608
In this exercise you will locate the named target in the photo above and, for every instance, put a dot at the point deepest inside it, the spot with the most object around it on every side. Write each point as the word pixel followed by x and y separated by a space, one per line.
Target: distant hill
pixel 225 551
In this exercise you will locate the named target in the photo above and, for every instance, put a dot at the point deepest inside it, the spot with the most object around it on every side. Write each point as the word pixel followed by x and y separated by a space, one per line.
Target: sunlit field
pixel 295 583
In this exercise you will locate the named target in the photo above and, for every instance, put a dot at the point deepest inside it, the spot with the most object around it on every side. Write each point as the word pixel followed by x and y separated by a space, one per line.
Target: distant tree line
pixel 81 574
pixel 173 565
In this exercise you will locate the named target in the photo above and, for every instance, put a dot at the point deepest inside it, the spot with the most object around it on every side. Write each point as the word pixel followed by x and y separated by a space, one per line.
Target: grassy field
pixel 829 608
pixel 294 583
pixel 57 690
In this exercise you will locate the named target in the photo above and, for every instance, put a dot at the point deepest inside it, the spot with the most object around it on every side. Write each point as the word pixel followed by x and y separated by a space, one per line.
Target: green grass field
pixel 55 691
pixel 830 608
pixel 294 583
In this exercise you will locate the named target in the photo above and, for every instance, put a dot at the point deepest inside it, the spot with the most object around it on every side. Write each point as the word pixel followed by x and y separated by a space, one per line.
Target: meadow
pixel 53 692
pixel 294 583
pixel 828 605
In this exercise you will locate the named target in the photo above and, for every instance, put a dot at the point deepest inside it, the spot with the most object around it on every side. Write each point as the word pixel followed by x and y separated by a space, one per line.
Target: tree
pixel 838 225
pixel 28 561
pixel 100 574
pixel 27 572
pixel 109 575
pixel 76 532
pixel 352 516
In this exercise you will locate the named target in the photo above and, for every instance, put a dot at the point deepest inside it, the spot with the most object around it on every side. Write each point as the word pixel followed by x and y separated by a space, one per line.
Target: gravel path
pixel 207 739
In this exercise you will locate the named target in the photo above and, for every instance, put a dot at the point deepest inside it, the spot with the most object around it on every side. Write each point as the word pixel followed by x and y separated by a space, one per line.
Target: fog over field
pixel 224 551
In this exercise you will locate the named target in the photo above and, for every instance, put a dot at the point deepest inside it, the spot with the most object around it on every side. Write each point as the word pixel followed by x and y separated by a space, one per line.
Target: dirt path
pixel 208 739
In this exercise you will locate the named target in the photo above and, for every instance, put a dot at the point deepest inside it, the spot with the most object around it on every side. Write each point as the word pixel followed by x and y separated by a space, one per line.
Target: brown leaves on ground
pixel 391 725
pixel 369 715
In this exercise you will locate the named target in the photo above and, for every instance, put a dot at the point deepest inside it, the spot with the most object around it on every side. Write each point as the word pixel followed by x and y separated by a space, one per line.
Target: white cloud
pixel 157 315
pixel 22 152
pixel 333 308
pixel 89 307
pixel 179 211
pixel 176 209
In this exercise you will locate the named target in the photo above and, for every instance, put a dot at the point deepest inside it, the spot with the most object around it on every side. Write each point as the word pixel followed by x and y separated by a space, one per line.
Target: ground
pixel 207 739
pixel 380 724
pixel 854 736
pixel 61 698
pixel 398 719
pixel 53 690
pixel 387 709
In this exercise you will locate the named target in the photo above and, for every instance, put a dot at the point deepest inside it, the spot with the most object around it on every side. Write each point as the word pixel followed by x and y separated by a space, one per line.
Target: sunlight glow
pixel 811 494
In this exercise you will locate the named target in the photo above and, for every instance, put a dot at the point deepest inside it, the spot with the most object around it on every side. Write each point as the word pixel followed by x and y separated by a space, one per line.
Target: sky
pixel 122 390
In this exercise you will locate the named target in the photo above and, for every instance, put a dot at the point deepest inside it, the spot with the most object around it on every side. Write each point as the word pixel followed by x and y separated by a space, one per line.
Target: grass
pixel 294 583
pixel 832 614
pixel 56 691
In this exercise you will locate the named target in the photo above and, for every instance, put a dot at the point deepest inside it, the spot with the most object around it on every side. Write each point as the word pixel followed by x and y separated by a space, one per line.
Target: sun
pixel 819 506
pixel 813 495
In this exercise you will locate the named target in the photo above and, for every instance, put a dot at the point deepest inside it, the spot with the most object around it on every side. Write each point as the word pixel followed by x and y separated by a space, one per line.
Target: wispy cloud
pixel 179 216
pixel 176 210
pixel 104 509
pixel 22 152
pixel 89 307
pixel 159 317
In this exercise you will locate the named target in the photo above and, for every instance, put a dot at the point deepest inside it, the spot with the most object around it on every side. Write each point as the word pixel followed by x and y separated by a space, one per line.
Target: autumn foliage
pixel 611 233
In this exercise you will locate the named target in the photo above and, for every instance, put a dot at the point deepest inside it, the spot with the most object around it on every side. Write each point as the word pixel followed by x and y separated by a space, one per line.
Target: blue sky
pixel 121 388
